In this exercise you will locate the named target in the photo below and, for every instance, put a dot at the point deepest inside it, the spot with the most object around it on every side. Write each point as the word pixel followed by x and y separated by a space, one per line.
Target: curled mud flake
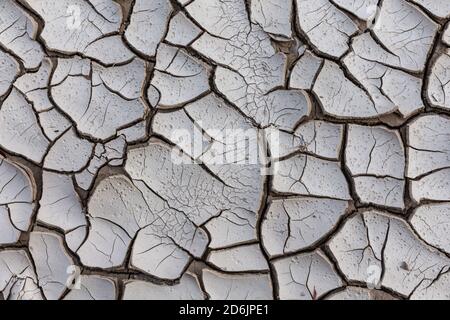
pixel 340 97
pixel 18 33
pixel 34 86
pixel 101 101
pixel 294 224
pixel 17 201
pixel 428 145
pixel 165 239
pixel 260 100
pixel 117 52
pixel 54 123
pixel 431 222
pixel 435 186
pixel 221 19
pixel 75 238
pixel 304 72
pixel 167 125
pixel 187 289
pixel 178 77
pixel 386 192
pixel 358 293
pixel 18 281
pixel 273 16
pixel 148 25
pixel 135 133
pixel 69 153
pixel 106 245
pixel 327 27
pixel 229 209
pixel 437 290
pixel 182 31
pixel 163 257
pixel 320 138
pixel 126 80
pixel 60 205
pixel 389 89
pixel 406 32
pixel 255 70
pixel 439 82
pixel 93 288
pixel 239 259
pixel 375 157
pixel 220 286
pixel 82 26
pixel 429 158
pixel 9 233
pixel 311 176
pixel 306 276
pixel 359 245
pixel 52 263
pixel 111 153
pixel 368 84
pixel 382 251
pixel 439 8
pixel 363 9
pixel 20 132
pixel 9 69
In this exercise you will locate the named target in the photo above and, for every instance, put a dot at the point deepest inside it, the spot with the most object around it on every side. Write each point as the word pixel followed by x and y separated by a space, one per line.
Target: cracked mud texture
pixel 116 180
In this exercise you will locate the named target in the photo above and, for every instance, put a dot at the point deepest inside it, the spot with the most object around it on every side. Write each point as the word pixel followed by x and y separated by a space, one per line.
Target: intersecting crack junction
pixel 224 149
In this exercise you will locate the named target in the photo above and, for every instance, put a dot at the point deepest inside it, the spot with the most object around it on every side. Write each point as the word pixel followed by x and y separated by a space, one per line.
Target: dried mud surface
pixel 224 149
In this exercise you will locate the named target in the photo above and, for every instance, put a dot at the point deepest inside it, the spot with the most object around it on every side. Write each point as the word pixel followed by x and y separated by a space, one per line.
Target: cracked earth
pixel 339 188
